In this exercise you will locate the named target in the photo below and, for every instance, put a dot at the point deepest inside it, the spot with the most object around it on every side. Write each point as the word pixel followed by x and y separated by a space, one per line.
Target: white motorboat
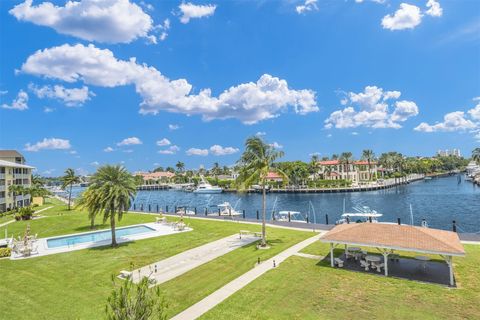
pixel 185 211
pixel 362 214
pixel 205 187
pixel 226 209
pixel 292 216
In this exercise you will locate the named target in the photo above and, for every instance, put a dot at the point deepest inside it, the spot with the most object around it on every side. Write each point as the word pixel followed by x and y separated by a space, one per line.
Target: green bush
pixel 35 205
pixel 25 213
pixel 5 252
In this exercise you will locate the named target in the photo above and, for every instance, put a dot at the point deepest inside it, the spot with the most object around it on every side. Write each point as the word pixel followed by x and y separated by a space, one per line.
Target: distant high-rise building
pixel 446 153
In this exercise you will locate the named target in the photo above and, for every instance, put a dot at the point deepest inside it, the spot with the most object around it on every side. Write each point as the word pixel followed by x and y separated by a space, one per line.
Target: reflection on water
pixel 439 200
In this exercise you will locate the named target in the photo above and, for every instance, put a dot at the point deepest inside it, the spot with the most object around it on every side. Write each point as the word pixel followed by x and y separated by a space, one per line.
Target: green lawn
pixel 302 288
pixel 75 285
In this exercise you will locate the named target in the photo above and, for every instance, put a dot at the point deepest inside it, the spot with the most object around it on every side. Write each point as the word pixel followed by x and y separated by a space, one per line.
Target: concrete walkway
pixel 226 291
pixel 177 265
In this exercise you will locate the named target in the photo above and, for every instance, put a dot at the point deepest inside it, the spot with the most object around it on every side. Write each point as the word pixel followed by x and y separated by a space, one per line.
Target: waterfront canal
pixel 439 201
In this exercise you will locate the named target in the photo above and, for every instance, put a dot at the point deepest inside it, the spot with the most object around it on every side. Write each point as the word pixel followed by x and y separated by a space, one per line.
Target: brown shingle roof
pixel 400 237
pixel 9 153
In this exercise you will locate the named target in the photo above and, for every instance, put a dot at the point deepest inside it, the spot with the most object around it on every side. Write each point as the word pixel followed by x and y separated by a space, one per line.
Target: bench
pixel 247 232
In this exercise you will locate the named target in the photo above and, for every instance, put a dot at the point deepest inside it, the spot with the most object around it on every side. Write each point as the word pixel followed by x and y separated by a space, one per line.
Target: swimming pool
pixel 96 236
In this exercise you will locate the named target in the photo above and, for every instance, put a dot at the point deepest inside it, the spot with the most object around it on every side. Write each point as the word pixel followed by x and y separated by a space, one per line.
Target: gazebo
pixel 387 237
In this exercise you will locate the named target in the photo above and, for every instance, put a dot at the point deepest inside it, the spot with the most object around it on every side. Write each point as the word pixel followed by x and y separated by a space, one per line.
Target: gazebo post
pixel 385 258
pixel 331 255
pixel 450 267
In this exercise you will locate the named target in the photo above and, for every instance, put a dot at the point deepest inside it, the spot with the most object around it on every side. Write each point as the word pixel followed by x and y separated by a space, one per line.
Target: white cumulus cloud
pixel 197 152
pixel 192 11
pixel 129 141
pixel 218 150
pixel 434 8
pixel 170 150
pixel 173 127
pixel 248 102
pixel 71 97
pixel 276 145
pixel 19 103
pixel 109 21
pixel 49 144
pixel 406 17
pixel 108 149
pixel 373 108
pixel 308 5
pixel 453 121
pixel 456 121
pixel 163 142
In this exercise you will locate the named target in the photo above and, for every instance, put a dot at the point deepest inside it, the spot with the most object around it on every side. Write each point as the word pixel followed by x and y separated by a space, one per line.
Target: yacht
pixel 226 209
pixel 361 214
pixel 295 216
pixel 205 187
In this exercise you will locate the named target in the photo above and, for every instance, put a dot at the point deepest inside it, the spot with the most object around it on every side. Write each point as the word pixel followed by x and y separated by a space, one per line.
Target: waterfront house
pixel 152 178
pixel 356 171
pixel 13 171
pixel 274 177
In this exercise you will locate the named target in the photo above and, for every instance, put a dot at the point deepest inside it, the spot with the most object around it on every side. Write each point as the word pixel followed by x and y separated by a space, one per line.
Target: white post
pixel 450 266
pixel 331 254
pixel 385 258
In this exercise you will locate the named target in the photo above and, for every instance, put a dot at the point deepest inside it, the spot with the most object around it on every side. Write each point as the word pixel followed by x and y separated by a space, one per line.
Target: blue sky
pixel 313 77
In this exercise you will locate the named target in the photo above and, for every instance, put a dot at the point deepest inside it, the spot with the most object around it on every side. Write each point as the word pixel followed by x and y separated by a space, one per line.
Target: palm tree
pixel 111 191
pixel 90 200
pixel 327 171
pixel 314 165
pixel 180 166
pixel 346 160
pixel 476 155
pixel 68 180
pixel 16 190
pixel 255 163
pixel 368 155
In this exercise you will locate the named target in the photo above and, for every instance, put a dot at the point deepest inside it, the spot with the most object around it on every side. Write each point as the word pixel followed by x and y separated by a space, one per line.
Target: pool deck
pixel 43 250
pixel 177 265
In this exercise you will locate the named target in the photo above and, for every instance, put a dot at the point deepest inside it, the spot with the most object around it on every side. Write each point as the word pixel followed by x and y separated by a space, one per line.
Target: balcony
pixel 2 200
pixel 2 188
pixel 2 175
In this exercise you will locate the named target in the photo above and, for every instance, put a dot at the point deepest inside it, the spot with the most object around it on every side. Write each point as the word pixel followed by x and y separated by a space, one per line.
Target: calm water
pixel 96 236
pixel 439 201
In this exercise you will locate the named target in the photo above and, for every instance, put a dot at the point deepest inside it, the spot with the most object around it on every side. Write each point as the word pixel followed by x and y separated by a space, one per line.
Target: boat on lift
pixel 205 187
pixel 226 209
pixel 361 214
pixel 185 211
pixel 295 216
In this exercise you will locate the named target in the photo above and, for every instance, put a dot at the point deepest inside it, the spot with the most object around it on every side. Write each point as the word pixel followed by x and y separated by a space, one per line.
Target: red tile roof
pixel 274 175
pixel 155 175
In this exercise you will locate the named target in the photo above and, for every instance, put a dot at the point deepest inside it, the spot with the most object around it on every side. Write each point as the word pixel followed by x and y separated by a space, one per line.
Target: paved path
pixel 11 221
pixel 230 288
pixel 177 265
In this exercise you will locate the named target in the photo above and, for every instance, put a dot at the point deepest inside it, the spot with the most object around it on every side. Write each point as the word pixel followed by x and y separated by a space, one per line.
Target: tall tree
pixel 113 189
pixel 90 200
pixel 369 156
pixel 180 166
pixel 346 159
pixel 255 163
pixel 476 155
pixel 68 180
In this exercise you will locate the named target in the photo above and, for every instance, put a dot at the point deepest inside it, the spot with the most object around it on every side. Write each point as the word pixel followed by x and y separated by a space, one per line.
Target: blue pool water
pixel 96 236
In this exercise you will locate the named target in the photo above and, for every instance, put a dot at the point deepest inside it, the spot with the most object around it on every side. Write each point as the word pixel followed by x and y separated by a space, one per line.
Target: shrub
pixel 5 252
pixel 25 213
pixel 35 205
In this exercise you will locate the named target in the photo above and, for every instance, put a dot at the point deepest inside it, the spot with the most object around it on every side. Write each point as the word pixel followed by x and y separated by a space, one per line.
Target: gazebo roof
pixel 398 237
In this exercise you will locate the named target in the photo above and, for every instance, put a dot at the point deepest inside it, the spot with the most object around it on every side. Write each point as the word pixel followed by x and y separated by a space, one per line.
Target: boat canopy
pixel 286 212
pixel 363 214
pixel 225 204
